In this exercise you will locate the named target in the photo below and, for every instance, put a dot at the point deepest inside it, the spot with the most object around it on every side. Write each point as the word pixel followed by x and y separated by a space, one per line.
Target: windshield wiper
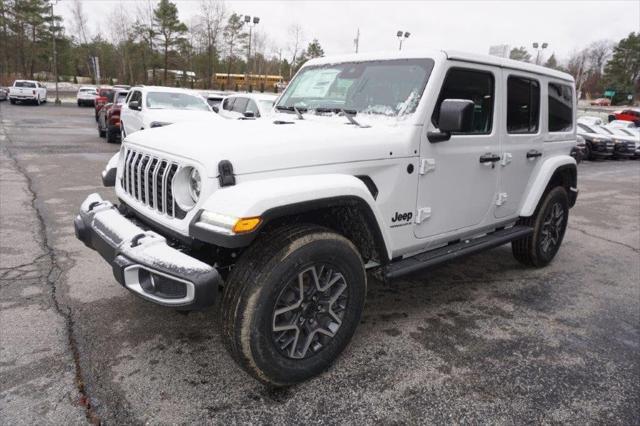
pixel 347 113
pixel 296 110
pixel 335 110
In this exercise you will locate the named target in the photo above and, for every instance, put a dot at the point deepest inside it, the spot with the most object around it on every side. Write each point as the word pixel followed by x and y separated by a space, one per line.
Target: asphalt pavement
pixel 482 340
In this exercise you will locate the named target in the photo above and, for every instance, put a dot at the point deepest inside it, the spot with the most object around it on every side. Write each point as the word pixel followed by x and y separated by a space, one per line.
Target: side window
pixel 523 105
pixel 253 107
pixel 560 108
pixel 240 105
pixel 474 85
pixel 227 105
pixel 136 96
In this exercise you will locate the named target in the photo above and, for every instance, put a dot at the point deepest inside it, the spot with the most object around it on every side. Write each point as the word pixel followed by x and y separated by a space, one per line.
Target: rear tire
pixel 12 101
pixel 112 134
pixel 549 224
pixel 292 303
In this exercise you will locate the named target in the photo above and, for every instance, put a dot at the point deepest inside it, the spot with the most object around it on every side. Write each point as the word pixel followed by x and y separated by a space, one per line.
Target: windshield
pixel 389 87
pixel 24 84
pixel 170 100
pixel 604 130
pixel 88 90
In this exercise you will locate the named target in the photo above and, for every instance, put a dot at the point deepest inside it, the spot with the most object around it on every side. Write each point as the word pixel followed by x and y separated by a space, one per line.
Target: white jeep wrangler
pixel 393 162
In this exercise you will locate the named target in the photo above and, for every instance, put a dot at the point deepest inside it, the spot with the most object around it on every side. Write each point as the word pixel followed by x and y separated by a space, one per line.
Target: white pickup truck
pixel 27 90
pixel 392 163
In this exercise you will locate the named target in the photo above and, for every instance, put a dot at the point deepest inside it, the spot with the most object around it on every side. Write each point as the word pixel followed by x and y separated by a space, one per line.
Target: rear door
pixel 522 141
pixel 457 186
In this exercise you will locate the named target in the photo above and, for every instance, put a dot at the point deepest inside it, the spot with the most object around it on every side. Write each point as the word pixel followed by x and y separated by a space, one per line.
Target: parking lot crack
pixel 604 239
pixel 53 275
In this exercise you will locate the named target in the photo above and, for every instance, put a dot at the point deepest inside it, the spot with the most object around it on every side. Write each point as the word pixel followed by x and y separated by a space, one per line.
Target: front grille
pixel 148 179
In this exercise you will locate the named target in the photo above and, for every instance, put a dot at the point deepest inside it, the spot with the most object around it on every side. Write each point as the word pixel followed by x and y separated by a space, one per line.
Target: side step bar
pixel 455 251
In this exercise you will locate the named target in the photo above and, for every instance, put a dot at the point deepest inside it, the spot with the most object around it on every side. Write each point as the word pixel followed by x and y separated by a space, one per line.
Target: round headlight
pixel 186 186
pixel 194 185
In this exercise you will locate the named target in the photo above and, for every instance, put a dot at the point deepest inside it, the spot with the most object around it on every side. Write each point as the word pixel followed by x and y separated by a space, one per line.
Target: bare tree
pixel 79 21
pixel 143 31
pixel 577 67
pixel 211 19
pixel 599 53
pixel 296 36
pixel 234 38
pixel 119 19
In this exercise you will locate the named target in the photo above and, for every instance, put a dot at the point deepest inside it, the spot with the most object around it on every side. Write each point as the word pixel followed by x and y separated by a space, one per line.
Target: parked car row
pixel 123 110
pixel 617 139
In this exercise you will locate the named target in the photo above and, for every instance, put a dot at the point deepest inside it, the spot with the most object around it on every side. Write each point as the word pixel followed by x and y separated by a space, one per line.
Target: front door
pixel 133 121
pixel 458 177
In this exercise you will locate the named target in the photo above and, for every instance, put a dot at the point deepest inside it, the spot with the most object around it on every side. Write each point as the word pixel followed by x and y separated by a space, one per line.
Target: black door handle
pixel 489 158
pixel 534 153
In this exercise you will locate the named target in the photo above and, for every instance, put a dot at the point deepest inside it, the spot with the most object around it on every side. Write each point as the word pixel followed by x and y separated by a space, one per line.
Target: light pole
pixel 252 23
pixel 55 53
pixel 539 48
pixel 402 35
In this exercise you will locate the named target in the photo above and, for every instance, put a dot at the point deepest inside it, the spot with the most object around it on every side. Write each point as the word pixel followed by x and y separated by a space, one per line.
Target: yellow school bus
pixel 256 81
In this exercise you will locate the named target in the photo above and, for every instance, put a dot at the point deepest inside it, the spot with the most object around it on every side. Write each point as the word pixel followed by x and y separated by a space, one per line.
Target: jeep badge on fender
pixel 311 197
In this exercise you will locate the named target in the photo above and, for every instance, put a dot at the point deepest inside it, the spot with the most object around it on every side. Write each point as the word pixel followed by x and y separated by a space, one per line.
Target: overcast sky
pixel 471 26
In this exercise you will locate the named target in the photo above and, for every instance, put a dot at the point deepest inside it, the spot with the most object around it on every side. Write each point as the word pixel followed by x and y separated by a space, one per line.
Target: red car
pixel 105 95
pixel 629 114
pixel 601 102
pixel 109 117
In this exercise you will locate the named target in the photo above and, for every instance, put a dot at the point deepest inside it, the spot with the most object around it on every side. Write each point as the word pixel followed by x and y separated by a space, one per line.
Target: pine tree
pixel 622 72
pixel 314 50
pixel 520 54
pixel 551 62
pixel 169 28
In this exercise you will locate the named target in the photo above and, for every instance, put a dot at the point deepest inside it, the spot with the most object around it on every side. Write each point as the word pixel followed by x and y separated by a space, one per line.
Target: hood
pixel 178 115
pixel 591 135
pixel 263 145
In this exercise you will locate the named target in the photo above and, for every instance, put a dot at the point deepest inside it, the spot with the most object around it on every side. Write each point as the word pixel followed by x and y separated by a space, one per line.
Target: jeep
pixel 372 163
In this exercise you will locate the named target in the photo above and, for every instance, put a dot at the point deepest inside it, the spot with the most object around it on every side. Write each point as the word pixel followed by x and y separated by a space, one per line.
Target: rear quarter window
pixel 560 99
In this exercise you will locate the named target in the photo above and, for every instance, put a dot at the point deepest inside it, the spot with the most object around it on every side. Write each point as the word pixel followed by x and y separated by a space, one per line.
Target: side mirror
pixel 249 114
pixel 215 108
pixel 456 115
pixel 135 105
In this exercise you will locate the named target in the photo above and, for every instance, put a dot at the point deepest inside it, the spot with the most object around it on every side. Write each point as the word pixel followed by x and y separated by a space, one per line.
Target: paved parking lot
pixel 483 340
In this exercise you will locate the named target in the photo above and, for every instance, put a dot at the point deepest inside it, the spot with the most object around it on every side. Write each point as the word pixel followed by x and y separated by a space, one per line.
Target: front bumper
pixel 625 150
pixel 142 261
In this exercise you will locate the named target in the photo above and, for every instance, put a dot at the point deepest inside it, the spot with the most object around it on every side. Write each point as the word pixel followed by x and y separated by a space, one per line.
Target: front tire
pixel 549 224
pixel 587 152
pixel 292 303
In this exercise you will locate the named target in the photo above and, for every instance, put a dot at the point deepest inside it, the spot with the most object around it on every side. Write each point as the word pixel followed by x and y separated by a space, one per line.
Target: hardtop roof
pixel 444 55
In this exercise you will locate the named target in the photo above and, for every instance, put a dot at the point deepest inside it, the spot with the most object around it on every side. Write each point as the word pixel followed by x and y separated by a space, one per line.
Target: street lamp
pixel 251 22
pixel 402 35
pixel 539 48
